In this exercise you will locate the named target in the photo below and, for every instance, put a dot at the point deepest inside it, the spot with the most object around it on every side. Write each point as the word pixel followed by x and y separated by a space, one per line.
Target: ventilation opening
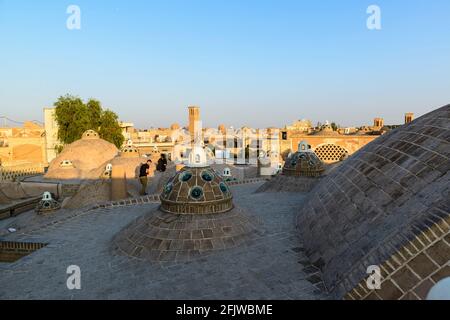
pixel 13 251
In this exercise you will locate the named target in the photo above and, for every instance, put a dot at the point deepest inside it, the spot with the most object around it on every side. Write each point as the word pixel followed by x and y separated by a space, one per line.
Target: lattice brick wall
pixel 330 152
pixel 11 173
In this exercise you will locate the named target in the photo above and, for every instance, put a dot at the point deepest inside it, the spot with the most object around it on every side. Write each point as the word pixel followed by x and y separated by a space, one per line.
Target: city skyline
pixel 7 122
pixel 197 152
pixel 259 64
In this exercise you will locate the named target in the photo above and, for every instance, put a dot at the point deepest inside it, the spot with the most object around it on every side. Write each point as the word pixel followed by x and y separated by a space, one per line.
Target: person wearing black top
pixel 162 163
pixel 143 173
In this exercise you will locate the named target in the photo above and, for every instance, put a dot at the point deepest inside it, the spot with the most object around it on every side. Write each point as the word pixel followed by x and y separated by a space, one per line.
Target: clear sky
pixel 244 62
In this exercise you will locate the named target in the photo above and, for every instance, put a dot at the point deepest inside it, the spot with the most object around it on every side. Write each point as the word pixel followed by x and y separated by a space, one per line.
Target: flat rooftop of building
pixel 272 266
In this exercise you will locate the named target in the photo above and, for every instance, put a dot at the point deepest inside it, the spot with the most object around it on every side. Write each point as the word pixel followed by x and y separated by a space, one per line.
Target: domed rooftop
pixel 165 237
pixel 81 156
pixel 199 156
pixel 386 206
pixel 326 131
pixel 129 151
pixel 303 123
pixel 304 162
pixel 196 190
pixel 130 164
pixel 196 217
pixel 90 134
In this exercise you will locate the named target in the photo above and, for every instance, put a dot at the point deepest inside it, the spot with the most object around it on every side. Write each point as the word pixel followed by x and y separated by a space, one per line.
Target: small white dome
pixel 47 196
pixel 197 157
pixel 303 146
pixel 440 291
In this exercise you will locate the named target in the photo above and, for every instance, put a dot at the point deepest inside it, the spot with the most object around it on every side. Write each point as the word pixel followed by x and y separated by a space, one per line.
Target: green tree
pixel 75 117
pixel 72 118
pixel 110 129
pixel 334 126
pixel 95 111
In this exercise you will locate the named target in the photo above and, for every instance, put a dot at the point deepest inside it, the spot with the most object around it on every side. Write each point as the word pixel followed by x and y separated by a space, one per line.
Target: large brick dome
pixel 387 205
pixel 81 156
pixel 196 218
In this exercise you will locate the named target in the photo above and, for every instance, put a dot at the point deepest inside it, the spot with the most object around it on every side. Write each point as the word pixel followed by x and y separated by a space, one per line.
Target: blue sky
pixel 244 62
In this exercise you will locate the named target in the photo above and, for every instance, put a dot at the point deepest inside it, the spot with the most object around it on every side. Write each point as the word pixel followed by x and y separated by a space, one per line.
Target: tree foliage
pixel 335 126
pixel 74 117
pixel 109 128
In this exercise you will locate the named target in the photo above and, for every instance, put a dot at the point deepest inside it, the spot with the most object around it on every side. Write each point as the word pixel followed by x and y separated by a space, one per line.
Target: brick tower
pixel 409 117
pixel 194 121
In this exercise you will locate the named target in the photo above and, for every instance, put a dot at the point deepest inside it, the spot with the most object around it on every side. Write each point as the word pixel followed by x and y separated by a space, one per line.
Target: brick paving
pixel 274 266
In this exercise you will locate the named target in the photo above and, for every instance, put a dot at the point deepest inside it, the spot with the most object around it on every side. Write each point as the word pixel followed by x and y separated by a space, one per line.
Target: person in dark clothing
pixel 143 173
pixel 162 163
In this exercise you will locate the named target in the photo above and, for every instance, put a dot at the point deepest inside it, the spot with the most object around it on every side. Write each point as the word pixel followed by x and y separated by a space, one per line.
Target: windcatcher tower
pixel 409 117
pixel 194 122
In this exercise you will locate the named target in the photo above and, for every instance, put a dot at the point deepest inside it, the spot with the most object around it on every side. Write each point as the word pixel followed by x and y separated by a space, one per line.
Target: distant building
pixel 127 129
pixel 409 117
pixel 194 118
pixel 330 145
pixel 378 123
pixel 22 145
pixel 51 134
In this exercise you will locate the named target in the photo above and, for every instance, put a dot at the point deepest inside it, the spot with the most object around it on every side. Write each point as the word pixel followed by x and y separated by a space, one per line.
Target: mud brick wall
pixel 69 190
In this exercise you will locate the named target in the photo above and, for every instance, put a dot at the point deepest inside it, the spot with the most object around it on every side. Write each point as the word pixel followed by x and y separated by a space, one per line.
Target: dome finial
pixel 197 157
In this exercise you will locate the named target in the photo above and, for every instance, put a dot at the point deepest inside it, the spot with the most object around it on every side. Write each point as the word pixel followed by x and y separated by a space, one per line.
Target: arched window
pixel 226 172
pixel 47 196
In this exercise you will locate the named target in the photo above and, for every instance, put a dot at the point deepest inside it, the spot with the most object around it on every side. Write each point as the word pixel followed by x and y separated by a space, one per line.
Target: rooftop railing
pixel 17 171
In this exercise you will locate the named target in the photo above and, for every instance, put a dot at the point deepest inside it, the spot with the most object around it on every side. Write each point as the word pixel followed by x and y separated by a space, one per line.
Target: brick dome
pixel 85 154
pixel 196 190
pixel 129 151
pixel 327 130
pixel 304 162
pixel 161 236
pixel 131 164
pixel 387 205
pixel 90 134
pixel 196 218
